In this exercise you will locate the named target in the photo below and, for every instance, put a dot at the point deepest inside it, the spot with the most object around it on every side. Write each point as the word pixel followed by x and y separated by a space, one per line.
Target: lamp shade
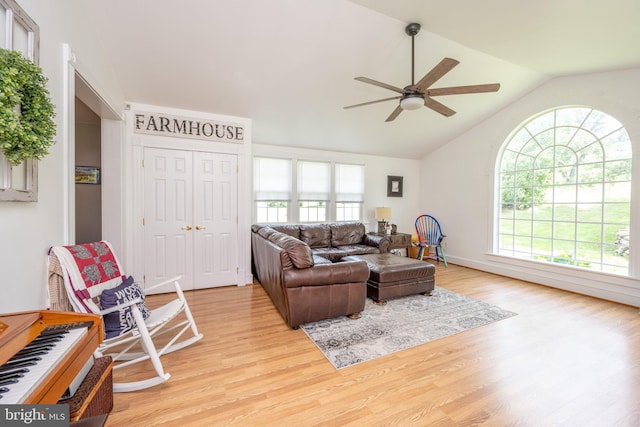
pixel 383 213
pixel 411 102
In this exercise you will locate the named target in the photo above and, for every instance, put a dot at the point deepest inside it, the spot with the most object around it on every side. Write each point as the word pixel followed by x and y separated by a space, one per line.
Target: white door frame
pixel 133 176
pixel 76 84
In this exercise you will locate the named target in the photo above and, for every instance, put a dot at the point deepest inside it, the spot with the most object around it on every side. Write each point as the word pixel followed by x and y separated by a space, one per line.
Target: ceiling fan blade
pixel 377 83
pixel 438 107
pixel 372 102
pixel 395 113
pixel 435 74
pixel 459 90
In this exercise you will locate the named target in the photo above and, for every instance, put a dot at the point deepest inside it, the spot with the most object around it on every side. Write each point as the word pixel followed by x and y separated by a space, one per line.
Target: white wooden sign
pixel 187 127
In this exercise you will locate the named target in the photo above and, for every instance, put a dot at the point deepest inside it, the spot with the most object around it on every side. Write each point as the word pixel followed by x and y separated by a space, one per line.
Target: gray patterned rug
pixel 400 324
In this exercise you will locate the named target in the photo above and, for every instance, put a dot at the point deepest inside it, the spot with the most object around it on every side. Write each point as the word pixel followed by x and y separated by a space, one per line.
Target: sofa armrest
pixel 327 274
pixel 378 241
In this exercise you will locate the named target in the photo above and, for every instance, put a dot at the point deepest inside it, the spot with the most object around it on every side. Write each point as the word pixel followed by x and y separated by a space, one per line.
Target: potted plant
pixel 26 112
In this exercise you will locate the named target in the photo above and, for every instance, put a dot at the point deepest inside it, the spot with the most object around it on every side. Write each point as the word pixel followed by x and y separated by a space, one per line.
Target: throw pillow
pixel 121 321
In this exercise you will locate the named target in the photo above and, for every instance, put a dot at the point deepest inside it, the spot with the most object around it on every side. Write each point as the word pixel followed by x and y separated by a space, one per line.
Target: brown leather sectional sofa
pixel 300 268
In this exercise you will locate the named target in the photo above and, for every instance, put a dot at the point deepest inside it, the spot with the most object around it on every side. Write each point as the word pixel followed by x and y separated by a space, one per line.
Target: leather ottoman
pixel 392 276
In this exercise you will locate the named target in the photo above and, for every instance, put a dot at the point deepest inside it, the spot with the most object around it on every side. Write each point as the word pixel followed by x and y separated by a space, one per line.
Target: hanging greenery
pixel 26 112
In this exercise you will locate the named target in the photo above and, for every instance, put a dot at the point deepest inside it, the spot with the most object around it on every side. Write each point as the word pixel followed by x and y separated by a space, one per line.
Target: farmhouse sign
pixel 185 127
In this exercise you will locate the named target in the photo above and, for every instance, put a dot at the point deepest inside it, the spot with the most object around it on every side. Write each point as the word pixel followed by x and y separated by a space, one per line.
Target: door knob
pixel 186 227
pixel 200 227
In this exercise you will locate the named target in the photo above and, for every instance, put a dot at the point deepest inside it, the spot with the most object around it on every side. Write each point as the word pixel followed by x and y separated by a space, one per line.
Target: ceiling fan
pixel 418 94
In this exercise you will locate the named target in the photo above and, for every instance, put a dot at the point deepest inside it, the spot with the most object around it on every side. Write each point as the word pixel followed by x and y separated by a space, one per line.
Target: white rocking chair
pixel 80 274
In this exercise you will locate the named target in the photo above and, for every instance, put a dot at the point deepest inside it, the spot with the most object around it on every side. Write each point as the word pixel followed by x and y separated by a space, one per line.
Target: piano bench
pixel 95 394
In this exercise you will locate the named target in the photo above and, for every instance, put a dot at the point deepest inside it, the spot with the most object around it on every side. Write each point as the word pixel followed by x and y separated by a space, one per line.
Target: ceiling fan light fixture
pixel 411 102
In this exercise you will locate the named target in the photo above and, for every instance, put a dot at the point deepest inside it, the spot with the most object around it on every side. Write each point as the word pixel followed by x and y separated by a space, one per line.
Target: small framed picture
pixel 87 175
pixel 394 186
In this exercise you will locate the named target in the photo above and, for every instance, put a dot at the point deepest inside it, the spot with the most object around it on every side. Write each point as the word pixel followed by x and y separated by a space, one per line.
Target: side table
pixel 398 241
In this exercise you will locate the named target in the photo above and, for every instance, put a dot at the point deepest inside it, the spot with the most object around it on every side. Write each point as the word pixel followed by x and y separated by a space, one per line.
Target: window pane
pixel 589 212
pixel 273 211
pixel 571 116
pixel 601 124
pixel 348 211
pixel 542 229
pixel 542 246
pixel 565 134
pixel 618 171
pixel 617 145
pixel 564 193
pixel 543 211
pixel 564 230
pixel 618 192
pixel 589 193
pixel 508 161
pixel 590 252
pixel 506 226
pixel 581 140
pixel 617 213
pixel 565 175
pixel 591 153
pixel 542 122
pixel 590 173
pixel 21 39
pixel 523 228
pixel 312 211
pixel 589 232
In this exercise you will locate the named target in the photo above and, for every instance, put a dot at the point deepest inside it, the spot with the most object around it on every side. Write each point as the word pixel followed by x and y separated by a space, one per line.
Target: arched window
pixel 564 183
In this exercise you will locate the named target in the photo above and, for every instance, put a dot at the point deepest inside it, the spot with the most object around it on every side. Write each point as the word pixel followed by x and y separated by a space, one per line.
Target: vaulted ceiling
pixel 289 65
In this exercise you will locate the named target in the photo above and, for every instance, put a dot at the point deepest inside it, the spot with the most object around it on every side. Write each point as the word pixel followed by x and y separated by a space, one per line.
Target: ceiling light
pixel 412 102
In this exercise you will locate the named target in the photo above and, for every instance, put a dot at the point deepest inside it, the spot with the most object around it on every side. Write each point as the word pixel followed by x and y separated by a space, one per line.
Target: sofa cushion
pixel 292 230
pixel 299 252
pixel 347 233
pixel 316 235
pixel 266 232
pixel 332 254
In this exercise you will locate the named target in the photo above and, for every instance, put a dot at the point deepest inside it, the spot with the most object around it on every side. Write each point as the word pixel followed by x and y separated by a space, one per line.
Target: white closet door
pixel 191 226
pixel 215 219
pixel 168 217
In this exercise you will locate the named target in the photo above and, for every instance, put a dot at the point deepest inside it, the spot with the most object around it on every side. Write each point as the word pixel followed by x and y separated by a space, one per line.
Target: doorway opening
pixel 88 184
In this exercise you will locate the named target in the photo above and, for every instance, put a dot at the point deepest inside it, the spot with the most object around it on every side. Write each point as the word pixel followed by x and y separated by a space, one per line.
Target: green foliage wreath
pixel 26 112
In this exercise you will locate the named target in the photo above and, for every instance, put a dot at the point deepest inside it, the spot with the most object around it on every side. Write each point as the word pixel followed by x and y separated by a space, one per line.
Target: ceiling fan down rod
pixel 412 29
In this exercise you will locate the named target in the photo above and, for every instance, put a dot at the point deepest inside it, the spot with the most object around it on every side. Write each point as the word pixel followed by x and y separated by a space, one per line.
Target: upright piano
pixel 32 376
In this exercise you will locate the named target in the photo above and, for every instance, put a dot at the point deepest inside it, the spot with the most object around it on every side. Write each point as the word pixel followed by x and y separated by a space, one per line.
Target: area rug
pixel 400 324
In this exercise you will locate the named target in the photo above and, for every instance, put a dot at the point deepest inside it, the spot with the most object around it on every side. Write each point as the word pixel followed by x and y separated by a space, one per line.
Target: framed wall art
pixel 394 186
pixel 87 175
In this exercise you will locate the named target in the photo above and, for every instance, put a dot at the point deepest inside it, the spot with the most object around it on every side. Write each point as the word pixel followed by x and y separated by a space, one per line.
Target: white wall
pixel 463 200
pixel 454 183
pixel 404 210
pixel 27 230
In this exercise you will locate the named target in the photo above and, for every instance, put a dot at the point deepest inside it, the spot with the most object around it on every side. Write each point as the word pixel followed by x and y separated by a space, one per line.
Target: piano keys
pixel 42 352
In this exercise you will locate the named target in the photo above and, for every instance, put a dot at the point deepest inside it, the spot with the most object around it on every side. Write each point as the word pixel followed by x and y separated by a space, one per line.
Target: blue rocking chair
pixel 430 235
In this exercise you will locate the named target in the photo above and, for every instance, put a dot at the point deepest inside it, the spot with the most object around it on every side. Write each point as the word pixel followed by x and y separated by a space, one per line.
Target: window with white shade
pixel 271 189
pixel 349 184
pixel 314 190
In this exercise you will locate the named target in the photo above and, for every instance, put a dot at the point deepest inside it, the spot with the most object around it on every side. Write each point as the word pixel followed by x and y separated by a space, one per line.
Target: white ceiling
pixel 289 65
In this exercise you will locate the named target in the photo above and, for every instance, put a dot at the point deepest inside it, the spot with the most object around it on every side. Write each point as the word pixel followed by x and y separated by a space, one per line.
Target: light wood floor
pixel 564 360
